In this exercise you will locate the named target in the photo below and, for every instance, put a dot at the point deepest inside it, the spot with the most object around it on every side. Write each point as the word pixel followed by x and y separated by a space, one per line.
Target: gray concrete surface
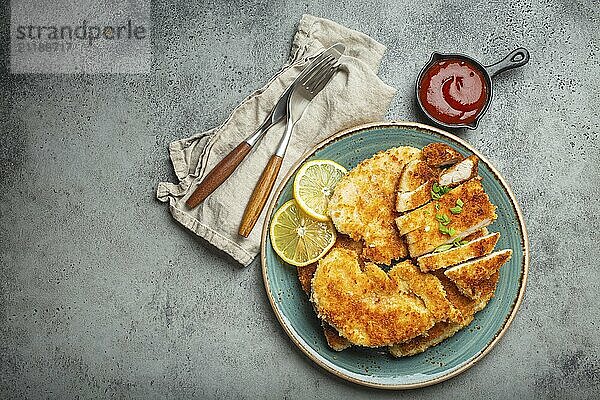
pixel 103 295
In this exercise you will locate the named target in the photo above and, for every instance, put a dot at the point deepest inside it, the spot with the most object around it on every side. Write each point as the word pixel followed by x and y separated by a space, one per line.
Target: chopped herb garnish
pixel 456 210
pixel 426 212
pixel 442 228
pixel 442 218
pixel 437 206
pixel 457 242
pixel 446 230
pixel 443 247
pixel 438 191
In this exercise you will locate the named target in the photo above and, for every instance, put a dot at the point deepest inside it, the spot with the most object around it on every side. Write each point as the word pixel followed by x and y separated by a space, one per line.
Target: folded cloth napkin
pixel 354 96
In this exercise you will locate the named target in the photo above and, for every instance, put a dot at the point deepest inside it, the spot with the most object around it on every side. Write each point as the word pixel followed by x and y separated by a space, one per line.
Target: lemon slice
pixel 297 238
pixel 314 184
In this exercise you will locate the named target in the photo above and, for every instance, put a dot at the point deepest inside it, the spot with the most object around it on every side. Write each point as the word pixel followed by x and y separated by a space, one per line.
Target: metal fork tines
pixel 302 96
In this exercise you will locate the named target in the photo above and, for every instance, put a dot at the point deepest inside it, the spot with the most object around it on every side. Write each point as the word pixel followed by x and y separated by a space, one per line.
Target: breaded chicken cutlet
pixel 474 248
pixel 445 329
pixel 388 209
pixel 422 226
pixel 363 204
pixel 440 155
pixel 333 338
pixel 469 275
pixel 305 275
pixel 372 308
pixel 366 306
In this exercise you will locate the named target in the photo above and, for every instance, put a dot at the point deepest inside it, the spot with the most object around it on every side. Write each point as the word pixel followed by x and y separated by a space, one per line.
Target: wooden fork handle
pixel 260 195
pixel 218 174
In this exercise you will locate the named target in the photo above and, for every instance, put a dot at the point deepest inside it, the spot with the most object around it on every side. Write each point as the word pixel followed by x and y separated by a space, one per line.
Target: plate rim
pixel 310 352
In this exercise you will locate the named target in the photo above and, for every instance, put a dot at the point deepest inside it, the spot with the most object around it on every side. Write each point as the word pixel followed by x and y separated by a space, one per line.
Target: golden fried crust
pixel 475 248
pixel 487 289
pixel 440 155
pixel 344 242
pixel 364 201
pixel 444 330
pixel 429 289
pixel 476 235
pixel 434 336
pixel 406 201
pixel 468 276
pixel 367 307
pixel 305 275
pixel 425 215
pixel 467 306
pixel 334 340
pixel 414 174
pixel 477 212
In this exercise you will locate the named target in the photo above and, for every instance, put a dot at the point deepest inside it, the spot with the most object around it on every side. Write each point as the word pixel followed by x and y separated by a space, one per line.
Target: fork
pixel 229 163
pixel 297 103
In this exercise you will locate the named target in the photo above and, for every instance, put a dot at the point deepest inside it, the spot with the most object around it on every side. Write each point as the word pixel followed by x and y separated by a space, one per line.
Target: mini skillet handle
pixel 516 58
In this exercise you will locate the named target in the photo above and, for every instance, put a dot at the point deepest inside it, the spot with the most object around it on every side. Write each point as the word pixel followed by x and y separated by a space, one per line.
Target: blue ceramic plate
pixel 373 367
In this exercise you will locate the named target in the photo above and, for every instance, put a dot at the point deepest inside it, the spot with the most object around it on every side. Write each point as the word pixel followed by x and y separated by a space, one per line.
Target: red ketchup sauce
pixel 453 91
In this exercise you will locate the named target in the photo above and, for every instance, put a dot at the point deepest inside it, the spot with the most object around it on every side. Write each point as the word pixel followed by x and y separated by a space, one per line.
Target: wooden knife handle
pixel 259 197
pixel 218 174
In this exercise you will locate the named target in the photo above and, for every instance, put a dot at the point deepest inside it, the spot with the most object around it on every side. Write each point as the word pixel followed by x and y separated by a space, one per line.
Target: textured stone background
pixel 102 294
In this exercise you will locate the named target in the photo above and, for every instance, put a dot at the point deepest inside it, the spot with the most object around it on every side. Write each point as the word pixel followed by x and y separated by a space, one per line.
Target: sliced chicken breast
pixel 414 174
pixel 441 226
pixel 473 249
pixel 406 201
pixel 461 172
pixel 468 276
pixel 426 215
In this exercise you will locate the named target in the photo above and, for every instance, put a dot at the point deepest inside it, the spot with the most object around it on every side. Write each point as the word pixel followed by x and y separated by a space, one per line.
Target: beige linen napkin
pixel 354 96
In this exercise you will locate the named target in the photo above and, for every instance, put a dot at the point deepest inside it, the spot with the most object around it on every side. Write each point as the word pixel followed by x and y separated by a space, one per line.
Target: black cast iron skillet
pixel 517 58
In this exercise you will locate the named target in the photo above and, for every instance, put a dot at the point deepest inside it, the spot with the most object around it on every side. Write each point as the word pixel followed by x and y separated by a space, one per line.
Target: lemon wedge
pixel 297 238
pixel 314 184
